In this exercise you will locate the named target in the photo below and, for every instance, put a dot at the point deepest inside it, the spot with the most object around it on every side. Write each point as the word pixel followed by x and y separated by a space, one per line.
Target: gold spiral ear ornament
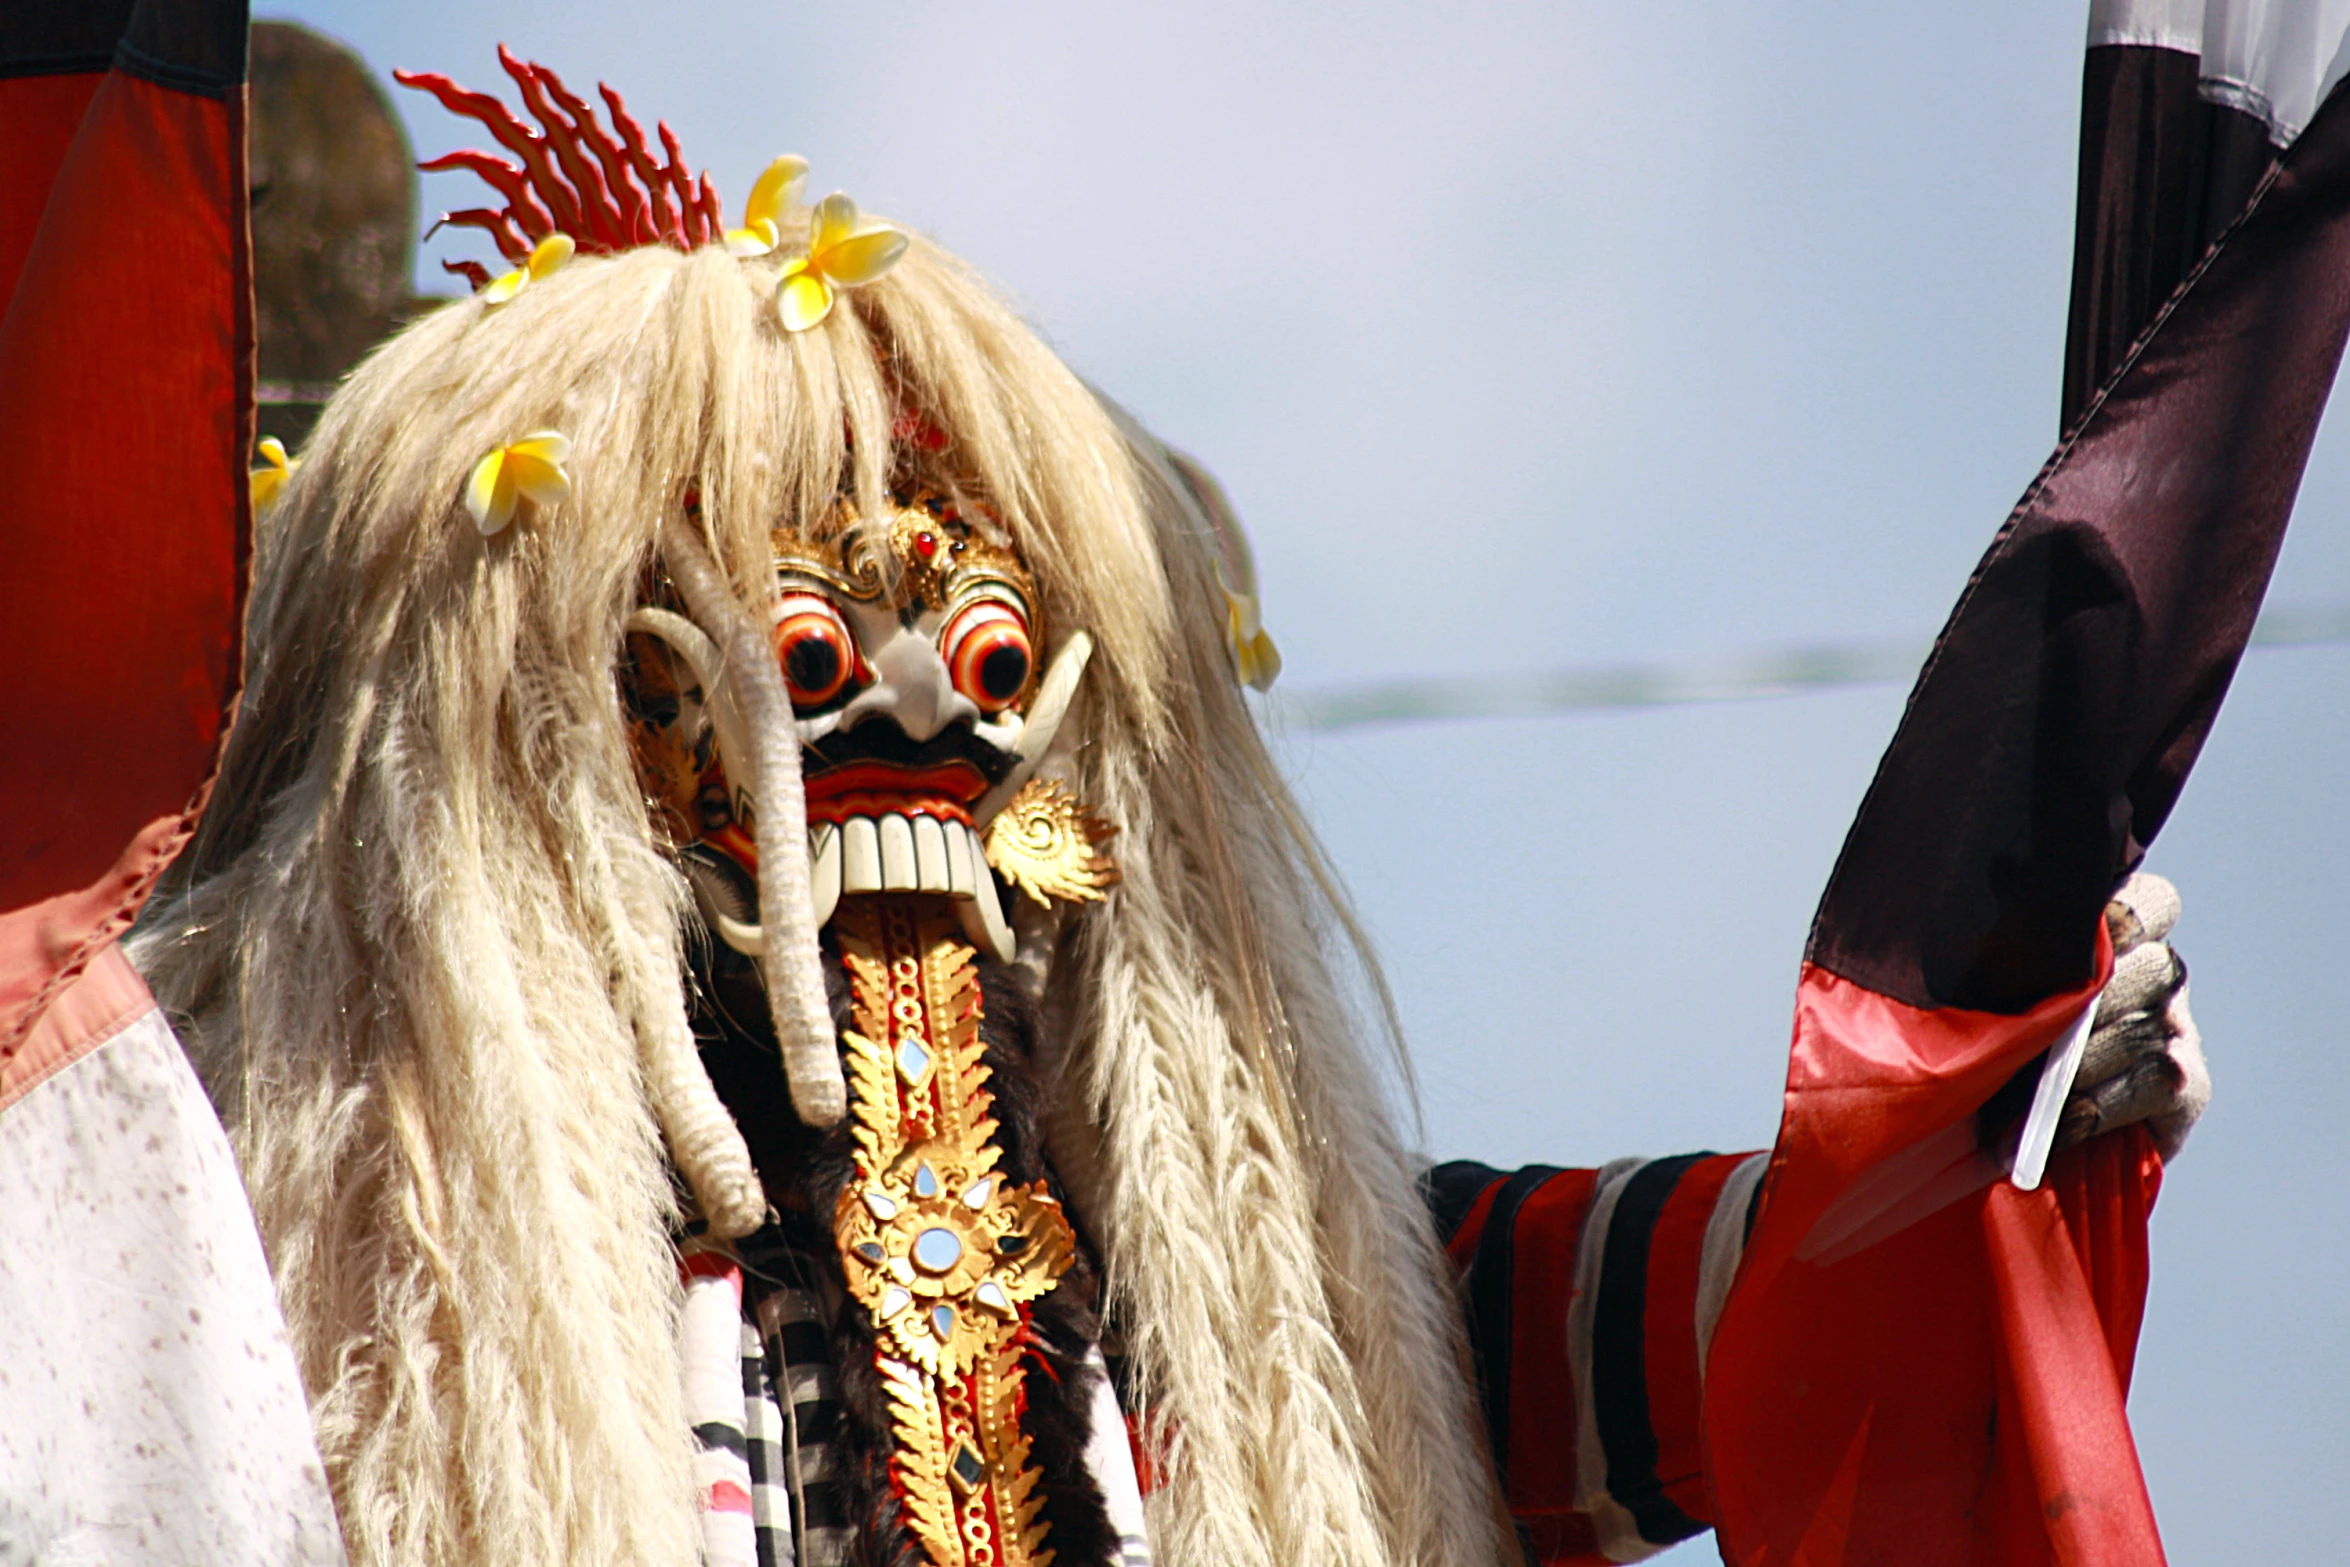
pixel 1047 843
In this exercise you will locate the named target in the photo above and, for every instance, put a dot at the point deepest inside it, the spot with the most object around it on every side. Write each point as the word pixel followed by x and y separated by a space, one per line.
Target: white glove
pixel 2144 1059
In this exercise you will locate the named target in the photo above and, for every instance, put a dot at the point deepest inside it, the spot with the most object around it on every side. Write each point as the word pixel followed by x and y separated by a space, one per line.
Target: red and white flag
pixel 1921 1362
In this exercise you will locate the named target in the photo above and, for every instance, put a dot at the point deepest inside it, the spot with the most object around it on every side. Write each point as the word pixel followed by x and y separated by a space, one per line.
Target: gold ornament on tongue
pixel 940 1250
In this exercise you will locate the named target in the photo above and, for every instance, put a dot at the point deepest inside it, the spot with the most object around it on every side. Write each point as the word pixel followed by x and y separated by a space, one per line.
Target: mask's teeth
pixel 930 855
pixel 860 850
pixel 897 854
pixel 983 917
pixel 824 870
pixel 963 853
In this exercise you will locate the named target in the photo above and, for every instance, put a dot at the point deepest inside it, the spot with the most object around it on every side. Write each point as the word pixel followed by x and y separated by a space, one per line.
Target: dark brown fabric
pixel 55 37
pixel 194 46
pixel 2163 173
pixel 191 46
pixel 2058 715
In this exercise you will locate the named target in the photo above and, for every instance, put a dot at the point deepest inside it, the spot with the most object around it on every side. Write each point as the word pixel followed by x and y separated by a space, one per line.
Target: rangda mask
pixel 909 650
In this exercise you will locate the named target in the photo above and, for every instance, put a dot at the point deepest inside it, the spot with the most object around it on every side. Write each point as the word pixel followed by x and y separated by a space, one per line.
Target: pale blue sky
pixel 1557 334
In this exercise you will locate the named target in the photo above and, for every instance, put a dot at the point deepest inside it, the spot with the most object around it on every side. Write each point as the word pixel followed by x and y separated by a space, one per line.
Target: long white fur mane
pixel 424 947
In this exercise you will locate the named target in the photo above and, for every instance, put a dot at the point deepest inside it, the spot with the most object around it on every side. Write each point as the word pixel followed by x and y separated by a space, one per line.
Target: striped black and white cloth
pixel 1592 1299
pixel 756 1348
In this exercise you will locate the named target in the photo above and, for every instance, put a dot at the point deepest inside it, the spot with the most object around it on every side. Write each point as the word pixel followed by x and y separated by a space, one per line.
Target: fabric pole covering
pixel 125 419
pixel 1921 1363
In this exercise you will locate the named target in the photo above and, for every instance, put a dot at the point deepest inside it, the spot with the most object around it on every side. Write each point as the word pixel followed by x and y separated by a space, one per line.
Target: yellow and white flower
pixel 531 468
pixel 842 253
pixel 1254 657
pixel 276 468
pixel 771 197
pixel 545 257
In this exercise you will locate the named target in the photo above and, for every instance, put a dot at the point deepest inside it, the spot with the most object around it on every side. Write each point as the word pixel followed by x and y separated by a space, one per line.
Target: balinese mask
pixel 910 652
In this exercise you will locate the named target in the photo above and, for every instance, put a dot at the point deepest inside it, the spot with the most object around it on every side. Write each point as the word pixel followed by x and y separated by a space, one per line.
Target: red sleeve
pixel 1590 1295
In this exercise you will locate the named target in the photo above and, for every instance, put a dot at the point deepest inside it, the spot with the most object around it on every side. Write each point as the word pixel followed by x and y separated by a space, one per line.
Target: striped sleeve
pixel 1591 1296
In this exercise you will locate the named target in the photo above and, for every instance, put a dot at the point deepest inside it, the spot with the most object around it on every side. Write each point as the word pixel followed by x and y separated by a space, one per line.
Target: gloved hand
pixel 2144 1059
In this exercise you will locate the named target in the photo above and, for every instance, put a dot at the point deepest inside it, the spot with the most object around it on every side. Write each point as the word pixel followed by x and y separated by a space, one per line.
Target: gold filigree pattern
pixel 1045 842
pixel 936 557
pixel 937 1246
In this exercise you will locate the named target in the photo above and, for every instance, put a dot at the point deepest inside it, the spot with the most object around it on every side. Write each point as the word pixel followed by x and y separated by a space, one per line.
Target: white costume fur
pixel 429 957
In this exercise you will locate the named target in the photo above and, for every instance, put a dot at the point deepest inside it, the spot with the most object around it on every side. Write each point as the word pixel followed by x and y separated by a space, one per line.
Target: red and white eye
pixel 987 654
pixel 813 645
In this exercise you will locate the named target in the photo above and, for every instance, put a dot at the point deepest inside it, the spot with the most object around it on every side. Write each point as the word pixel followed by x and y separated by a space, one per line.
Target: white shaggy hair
pixel 428 954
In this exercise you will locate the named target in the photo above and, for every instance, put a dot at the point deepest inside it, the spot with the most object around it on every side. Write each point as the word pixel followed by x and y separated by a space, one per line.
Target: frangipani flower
pixel 545 257
pixel 776 190
pixel 531 467
pixel 276 468
pixel 1254 657
pixel 841 254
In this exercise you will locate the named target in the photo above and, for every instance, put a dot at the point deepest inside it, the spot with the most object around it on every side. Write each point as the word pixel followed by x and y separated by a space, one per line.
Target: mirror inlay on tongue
pixel 942 1252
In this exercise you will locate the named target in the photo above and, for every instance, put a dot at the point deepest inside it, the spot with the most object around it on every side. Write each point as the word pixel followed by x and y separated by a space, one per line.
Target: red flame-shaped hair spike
pixel 604 188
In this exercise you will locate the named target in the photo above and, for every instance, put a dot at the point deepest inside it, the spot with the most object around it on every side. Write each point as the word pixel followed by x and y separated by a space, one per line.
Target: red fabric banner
pixel 1920 1364
pixel 1946 1390
pixel 125 422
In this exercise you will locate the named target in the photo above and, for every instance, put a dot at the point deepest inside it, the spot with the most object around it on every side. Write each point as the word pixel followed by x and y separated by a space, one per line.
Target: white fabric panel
pixel 2156 24
pixel 712 1340
pixel 2274 59
pixel 1724 1246
pixel 150 1411
pixel 1109 1458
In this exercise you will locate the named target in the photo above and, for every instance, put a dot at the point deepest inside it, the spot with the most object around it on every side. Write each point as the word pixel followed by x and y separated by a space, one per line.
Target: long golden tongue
pixel 943 1253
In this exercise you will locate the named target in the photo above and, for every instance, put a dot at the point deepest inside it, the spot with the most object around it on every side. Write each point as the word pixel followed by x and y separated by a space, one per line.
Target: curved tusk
pixel 702 656
pixel 983 919
pixel 692 643
pixel 1054 693
pixel 749 940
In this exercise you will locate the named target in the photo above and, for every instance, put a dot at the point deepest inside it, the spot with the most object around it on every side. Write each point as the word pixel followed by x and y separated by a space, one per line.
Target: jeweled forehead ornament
pixel 928 553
